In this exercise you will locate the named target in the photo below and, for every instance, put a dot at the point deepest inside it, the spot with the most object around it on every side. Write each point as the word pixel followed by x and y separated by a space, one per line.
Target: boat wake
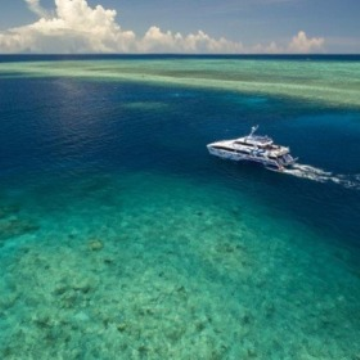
pixel 319 175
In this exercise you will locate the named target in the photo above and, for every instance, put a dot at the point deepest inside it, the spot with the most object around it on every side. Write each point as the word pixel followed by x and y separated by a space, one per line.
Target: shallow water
pixel 331 80
pixel 119 234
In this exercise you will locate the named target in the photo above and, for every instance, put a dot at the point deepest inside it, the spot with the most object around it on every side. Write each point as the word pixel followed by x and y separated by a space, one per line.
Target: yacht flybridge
pixel 254 148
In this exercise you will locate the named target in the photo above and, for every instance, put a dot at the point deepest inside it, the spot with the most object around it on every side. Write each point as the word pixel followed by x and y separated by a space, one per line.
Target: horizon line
pixel 181 54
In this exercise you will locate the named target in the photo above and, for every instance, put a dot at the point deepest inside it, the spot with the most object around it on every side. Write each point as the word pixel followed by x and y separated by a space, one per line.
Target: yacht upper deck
pixel 254 140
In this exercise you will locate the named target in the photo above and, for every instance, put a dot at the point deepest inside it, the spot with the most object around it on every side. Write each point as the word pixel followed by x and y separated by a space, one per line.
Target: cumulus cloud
pixel 155 40
pixel 272 48
pixel 34 6
pixel 302 44
pixel 76 27
pixel 299 44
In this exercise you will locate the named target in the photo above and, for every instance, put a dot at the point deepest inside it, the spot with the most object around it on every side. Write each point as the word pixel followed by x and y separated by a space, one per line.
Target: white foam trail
pixel 320 175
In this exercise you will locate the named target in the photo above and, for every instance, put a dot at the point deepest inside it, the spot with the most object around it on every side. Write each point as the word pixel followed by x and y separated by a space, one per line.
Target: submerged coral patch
pixel 151 280
pixel 13 224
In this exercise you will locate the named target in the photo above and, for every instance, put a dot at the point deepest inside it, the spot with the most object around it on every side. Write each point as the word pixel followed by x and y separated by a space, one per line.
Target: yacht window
pixel 224 148
pixel 243 143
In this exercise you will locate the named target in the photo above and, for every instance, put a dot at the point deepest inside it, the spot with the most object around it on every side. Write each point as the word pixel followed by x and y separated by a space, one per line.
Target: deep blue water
pixel 65 127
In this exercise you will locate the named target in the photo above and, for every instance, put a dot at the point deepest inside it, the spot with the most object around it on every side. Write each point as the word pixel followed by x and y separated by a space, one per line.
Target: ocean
pixel 122 238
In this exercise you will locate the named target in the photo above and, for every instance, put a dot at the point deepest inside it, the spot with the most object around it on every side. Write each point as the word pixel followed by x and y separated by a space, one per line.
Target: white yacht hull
pixel 230 155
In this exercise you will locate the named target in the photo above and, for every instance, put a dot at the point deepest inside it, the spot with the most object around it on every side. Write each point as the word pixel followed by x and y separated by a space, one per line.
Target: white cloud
pixel 76 27
pixel 157 41
pixel 272 48
pixel 299 44
pixel 34 6
pixel 302 44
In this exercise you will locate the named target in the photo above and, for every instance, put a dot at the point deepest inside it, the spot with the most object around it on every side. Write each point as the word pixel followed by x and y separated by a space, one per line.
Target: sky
pixel 163 26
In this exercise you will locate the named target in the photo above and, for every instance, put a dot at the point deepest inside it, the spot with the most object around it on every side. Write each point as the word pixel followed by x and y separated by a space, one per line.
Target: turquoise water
pixel 122 238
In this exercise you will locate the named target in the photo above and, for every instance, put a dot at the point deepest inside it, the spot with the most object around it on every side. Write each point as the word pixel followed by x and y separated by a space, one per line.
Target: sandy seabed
pixel 334 84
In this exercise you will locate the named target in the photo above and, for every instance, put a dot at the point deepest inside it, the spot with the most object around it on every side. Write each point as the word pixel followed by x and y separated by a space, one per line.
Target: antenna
pixel 253 129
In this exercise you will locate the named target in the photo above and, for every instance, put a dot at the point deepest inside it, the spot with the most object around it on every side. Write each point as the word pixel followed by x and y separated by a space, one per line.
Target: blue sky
pixel 325 26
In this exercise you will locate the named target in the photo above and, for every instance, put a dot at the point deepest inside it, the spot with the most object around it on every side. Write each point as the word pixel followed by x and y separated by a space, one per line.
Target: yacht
pixel 260 149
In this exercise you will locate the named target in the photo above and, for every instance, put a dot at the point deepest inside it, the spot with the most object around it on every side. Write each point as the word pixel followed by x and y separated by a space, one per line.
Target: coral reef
pixel 13 224
pixel 176 276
